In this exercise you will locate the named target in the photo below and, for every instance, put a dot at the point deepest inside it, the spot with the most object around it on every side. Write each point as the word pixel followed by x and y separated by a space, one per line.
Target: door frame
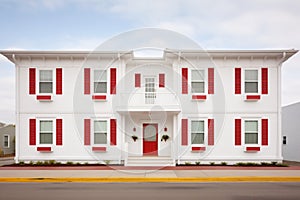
pixel 155 153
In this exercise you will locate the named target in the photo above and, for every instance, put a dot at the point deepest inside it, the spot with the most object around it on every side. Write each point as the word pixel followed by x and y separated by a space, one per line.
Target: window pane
pixel 100 126
pixel 197 87
pixel 251 138
pixel 46 126
pixel 5 141
pixel 45 75
pixel 150 133
pixel 251 75
pixel 100 87
pixel 251 126
pixel 251 87
pixel 45 87
pixel 197 138
pixel 197 126
pixel 45 138
pixel 100 138
pixel 100 76
pixel 198 75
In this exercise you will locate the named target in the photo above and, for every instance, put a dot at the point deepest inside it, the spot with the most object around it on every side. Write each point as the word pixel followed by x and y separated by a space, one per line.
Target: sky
pixel 85 24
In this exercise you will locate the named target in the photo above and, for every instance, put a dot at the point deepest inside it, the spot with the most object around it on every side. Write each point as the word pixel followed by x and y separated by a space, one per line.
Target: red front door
pixel 150 139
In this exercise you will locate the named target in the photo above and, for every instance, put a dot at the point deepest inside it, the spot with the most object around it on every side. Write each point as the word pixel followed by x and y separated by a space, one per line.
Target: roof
pixel 282 54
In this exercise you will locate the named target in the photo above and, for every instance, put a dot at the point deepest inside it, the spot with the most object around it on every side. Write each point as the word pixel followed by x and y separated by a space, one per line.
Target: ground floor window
pixel 46 132
pixel 197 131
pixel 6 141
pixel 251 131
pixel 100 132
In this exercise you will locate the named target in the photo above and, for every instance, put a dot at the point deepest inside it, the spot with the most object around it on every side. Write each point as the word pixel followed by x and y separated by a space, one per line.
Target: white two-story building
pixel 186 106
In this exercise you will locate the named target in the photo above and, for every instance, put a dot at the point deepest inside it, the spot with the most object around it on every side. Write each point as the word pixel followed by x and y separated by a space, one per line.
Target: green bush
pixel 223 163
pixel 212 163
pixel 39 163
pixel 21 163
pixel 282 165
pixel 52 162
pixel 188 163
pixel 265 164
pixel 107 162
pixel 46 162
pixel 31 163
pixel 197 163
pixel 274 163
pixel 70 163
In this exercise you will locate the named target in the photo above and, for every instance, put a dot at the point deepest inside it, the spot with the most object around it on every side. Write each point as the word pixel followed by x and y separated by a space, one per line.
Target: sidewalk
pixel 230 174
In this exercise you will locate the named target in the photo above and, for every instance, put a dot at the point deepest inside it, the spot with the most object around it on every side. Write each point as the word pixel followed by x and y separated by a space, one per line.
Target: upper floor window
pixel 100 81
pixel 46 132
pixel 6 141
pixel 251 81
pixel 100 132
pixel 251 132
pixel 197 130
pixel 45 81
pixel 198 81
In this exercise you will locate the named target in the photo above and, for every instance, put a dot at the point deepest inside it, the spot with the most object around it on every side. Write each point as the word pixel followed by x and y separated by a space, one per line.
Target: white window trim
pixel 258 81
pixel 107 81
pixel 205 81
pixel 53 132
pixel 259 132
pixel 205 132
pixel 53 81
pixel 93 132
pixel 8 144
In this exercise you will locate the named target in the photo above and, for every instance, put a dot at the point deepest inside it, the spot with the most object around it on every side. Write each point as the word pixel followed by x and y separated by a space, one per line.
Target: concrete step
pixel 150 161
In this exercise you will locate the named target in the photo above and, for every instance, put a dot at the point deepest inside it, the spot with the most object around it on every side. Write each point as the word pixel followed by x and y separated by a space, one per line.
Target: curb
pixel 154 179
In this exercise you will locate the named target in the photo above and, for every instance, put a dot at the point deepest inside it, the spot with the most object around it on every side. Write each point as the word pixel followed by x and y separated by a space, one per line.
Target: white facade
pixel 290 132
pixel 152 96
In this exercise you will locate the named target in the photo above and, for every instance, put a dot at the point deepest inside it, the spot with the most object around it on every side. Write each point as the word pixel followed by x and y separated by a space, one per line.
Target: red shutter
pixel 87 131
pixel 237 80
pixel 87 81
pixel 59 131
pixel 184 131
pixel 161 80
pixel 32 131
pixel 113 80
pixel 113 132
pixel 264 80
pixel 137 78
pixel 184 80
pixel 264 132
pixel 238 134
pixel 31 80
pixel 58 80
pixel 211 131
pixel 211 80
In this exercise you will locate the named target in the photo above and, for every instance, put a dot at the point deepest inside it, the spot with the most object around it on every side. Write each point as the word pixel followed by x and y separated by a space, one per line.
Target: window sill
pixel 44 149
pixel 252 149
pixel 99 97
pixel 199 97
pixel 198 149
pixel 44 97
pixel 251 97
pixel 99 149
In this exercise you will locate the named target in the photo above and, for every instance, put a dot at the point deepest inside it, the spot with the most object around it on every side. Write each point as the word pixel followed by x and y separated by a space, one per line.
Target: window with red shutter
pixel 184 132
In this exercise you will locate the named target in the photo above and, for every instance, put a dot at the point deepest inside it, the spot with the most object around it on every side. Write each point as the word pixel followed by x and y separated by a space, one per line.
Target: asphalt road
pixel 153 191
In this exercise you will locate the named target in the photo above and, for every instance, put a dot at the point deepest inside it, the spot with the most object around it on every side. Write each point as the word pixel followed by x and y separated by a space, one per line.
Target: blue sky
pixel 85 24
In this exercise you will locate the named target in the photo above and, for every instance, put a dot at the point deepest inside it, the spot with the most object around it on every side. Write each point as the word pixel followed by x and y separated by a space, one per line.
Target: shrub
pixel 265 164
pixel 274 163
pixel 46 162
pixel 31 163
pixel 188 163
pixel 282 165
pixel 223 163
pixel 240 164
pixel 52 162
pixel 197 163
pixel 21 163
pixel 107 162
pixel 39 163
pixel 70 163
pixel 212 163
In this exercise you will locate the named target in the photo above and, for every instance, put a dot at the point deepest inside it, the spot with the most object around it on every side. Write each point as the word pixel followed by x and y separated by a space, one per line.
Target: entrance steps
pixel 162 161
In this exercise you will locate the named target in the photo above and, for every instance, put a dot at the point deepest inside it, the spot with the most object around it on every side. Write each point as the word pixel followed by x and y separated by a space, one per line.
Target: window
pixel 150 94
pixel 198 81
pixel 251 132
pixel 46 132
pixel 100 81
pixel 284 140
pixel 100 132
pixel 46 81
pixel 197 132
pixel 251 81
pixel 6 141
